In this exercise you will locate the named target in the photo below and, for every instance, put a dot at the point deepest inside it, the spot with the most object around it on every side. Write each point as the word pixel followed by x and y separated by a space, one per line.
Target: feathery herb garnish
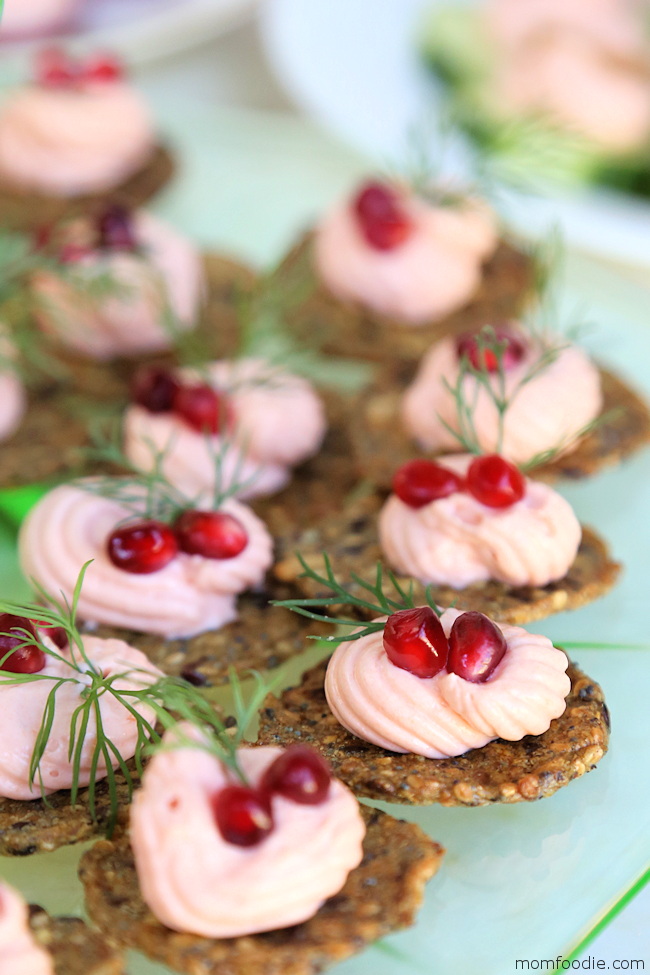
pixel 168 698
pixel 378 602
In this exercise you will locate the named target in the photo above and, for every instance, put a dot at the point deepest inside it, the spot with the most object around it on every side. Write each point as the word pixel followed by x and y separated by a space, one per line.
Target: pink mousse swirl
pixel 19 953
pixel 546 413
pixel 164 274
pixel 456 541
pixel 444 716
pixel 70 141
pixel 29 17
pixel 194 881
pixel 429 275
pixel 279 421
pixel 22 707
pixel 189 595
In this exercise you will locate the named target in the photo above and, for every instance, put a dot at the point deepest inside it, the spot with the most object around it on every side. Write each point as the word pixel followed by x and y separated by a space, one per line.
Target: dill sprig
pixel 264 335
pixel 168 698
pixel 494 383
pixel 378 599
pixel 148 493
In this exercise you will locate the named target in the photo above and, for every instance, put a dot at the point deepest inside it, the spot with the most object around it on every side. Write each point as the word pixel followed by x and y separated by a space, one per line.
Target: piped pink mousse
pixel 160 278
pixel 275 421
pixel 67 141
pixel 423 272
pixel 446 715
pixel 457 541
pixel 19 953
pixel 22 707
pixel 194 881
pixel 548 412
pixel 192 593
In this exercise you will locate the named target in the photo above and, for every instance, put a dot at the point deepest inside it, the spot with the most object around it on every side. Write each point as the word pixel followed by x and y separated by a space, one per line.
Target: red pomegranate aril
pixel 299 774
pixel 212 534
pixel 73 253
pixel 202 408
pixel 243 815
pixel 483 358
pixel 421 481
pixel 56 634
pixel 383 221
pixel 495 482
pixel 116 230
pixel 476 647
pixel 142 547
pixel 103 67
pixel 414 640
pixel 54 69
pixel 28 659
pixel 155 389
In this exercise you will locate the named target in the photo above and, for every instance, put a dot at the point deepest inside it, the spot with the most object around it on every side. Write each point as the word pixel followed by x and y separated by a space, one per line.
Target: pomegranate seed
pixel 103 67
pixel 212 534
pixel 421 481
pixel 54 69
pixel 202 408
pixel 485 359
pixel 73 253
pixel 42 237
pixel 476 647
pixel 116 231
pixel 383 222
pixel 415 641
pixel 495 482
pixel 243 815
pixel 299 774
pixel 143 547
pixel 23 660
pixel 155 389
pixel 57 634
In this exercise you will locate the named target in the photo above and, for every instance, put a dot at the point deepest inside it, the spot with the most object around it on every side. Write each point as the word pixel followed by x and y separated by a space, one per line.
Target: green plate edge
pixel 15 503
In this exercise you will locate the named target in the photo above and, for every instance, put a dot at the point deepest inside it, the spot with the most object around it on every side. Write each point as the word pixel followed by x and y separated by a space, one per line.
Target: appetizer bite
pixel 273 418
pixel 398 264
pixel 554 90
pixel 421 706
pixel 77 134
pixel 33 943
pixel 153 285
pixel 275 844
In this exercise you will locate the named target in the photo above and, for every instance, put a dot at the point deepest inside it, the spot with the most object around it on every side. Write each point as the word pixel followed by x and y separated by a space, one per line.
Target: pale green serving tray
pixel 532 881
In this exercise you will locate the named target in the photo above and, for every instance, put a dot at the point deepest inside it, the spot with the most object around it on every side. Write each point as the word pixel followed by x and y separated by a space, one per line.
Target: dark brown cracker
pixel 502 771
pixel 49 443
pixel 381 445
pixel 382 895
pixel 27 210
pixel 261 639
pixel 41 827
pixel 350 540
pixel 75 949
pixel 349 330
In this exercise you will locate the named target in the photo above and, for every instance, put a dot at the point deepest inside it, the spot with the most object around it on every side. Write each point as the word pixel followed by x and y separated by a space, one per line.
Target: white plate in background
pixel 141 31
pixel 353 65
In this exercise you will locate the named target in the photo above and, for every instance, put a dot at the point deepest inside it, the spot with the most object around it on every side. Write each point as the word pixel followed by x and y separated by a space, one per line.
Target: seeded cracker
pixel 348 330
pixel 382 895
pixel 261 638
pixel 75 949
pixel 502 771
pixel 26 210
pixel 381 445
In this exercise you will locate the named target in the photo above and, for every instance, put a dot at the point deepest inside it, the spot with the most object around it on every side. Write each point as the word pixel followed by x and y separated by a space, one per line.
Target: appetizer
pixel 77 134
pixel 422 706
